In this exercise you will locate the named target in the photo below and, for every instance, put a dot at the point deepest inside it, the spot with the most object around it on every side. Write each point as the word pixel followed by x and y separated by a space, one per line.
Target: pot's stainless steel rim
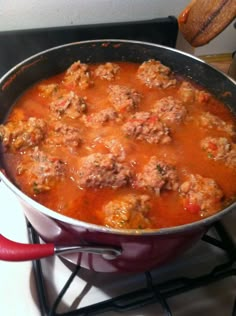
pixel 102 41
pixel 205 222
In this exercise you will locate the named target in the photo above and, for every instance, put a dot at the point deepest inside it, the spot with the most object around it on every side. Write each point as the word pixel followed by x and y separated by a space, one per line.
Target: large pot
pixel 122 250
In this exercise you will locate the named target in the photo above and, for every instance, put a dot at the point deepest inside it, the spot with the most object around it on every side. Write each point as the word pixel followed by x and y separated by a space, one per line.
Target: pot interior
pixel 56 60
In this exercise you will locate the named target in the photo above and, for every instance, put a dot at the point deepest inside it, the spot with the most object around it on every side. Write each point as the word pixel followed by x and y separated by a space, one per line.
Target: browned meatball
pixel 119 147
pixel 220 149
pixel 100 118
pixel 186 92
pixel 231 158
pixel 102 170
pixel 48 90
pixel 210 121
pixel 78 75
pixel 148 127
pixel 19 135
pixel 116 148
pixel 201 195
pixel 170 110
pixel 129 212
pixel 63 134
pixel 155 75
pixel 69 104
pixel 157 175
pixel 189 94
pixel 41 170
pixel 107 71
pixel 124 98
pixel 216 148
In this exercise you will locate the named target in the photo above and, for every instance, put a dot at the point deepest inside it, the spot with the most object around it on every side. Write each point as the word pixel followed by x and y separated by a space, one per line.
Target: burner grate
pixel 152 293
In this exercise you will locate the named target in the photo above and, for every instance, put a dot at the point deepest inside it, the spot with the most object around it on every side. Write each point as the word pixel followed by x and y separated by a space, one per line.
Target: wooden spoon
pixel 203 20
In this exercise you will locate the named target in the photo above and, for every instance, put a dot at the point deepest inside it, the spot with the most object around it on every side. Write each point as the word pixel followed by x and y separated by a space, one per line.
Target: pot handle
pixel 14 251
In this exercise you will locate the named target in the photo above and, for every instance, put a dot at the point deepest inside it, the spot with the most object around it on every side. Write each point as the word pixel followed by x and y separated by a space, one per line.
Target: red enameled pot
pixel 99 248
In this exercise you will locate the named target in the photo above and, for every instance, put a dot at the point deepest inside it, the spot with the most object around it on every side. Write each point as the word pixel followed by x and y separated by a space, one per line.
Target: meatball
pixel 202 96
pixel 78 75
pixel 102 170
pixel 216 148
pixel 189 94
pixel 19 135
pixel 107 71
pixel 155 75
pixel 220 149
pixel 201 195
pixel 124 98
pixel 69 104
pixel 63 134
pixel 170 110
pixel 100 118
pixel 130 211
pixel 41 170
pixel 231 158
pixel 210 121
pixel 48 90
pixel 186 92
pixel 148 127
pixel 157 175
pixel 116 148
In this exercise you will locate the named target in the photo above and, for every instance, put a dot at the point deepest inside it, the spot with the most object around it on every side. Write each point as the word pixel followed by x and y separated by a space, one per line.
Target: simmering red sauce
pixel 122 145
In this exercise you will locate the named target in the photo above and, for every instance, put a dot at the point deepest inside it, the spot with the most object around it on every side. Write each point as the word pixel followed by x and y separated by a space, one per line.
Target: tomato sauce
pixel 184 151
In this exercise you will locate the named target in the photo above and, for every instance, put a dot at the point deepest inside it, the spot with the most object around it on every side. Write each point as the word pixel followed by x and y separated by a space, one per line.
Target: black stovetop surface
pixel 17 45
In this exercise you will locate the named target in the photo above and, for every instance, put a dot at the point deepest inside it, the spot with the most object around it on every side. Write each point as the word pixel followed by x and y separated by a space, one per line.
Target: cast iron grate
pixel 152 293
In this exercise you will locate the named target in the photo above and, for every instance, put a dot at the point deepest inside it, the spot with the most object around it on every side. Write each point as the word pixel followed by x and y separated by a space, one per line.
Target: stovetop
pixel 52 286
pixel 20 44
pixel 179 286
pixel 212 260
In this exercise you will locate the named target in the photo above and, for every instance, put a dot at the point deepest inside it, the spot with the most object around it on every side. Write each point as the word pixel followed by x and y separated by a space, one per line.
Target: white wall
pixel 26 14
pixel 15 14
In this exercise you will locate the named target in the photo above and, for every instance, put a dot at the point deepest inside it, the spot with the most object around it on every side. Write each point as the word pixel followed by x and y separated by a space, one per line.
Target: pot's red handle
pixel 14 251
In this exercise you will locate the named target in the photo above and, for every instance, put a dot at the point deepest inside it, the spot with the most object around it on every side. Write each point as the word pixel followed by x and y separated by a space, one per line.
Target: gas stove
pixel 200 281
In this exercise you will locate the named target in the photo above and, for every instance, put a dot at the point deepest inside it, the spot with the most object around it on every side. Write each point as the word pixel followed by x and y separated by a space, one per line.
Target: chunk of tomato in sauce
pixel 192 207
